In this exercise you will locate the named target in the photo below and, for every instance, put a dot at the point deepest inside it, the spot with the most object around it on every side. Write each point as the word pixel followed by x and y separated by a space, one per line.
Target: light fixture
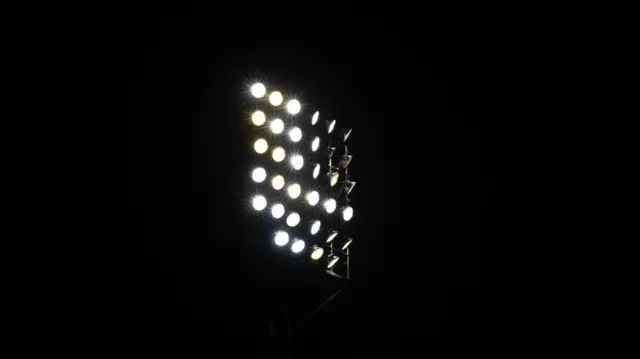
pixel 278 154
pixel 313 198
pixel 330 205
pixel 345 160
pixel 347 213
pixel 315 227
pixel 277 182
pixel 277 126
pixel 316 170
pixel 295 134
pixel 259 202
pixel 330 125
pixel 333 259
pixel 317 253
pixel 275 98
pixel 315 144
pixel 297 161
pixel 298 245
pixel 345 134
pixel 333 178
pixel 348 187
pixel 260 146
pixel 258 90
pixel 258 118
pixel 330 151
pixel 293 219
pixel 294 190
pixel 277 210
pixel 347 243
pixel 331 236
pixel 293 106
pixel 281 238
pixel 314 118
pixel 258 174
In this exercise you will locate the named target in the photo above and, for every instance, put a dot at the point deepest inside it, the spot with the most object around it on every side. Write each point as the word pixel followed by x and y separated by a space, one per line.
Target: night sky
pixel 476 132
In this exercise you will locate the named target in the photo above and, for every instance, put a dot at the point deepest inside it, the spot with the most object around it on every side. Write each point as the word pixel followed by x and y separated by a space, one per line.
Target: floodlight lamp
pixel 316 170
pixel 330 151
pixel 258 90
pixel 278 154
pixel 277 182
pixel 258 174
pixel 298 245
pixel 258 118
pixel 297 161
pixel 293 219
pixel 277 210
pixel 330 125
pixel 259 202
pixel 293 106
pixel 295 134
pixel 317 253
pixel 330 205
pixel 333 259
pixel 347 213
pixel 345 134
pixel 260 146
pixel 315 227
pixel 294 190
pixel 281 238
pixel 345 160
pixel 348 187
pixel 275 98
pixel 313 198
pixel 277 126
pixel 333 178
pixel 331 236
pixel 347 243
pixel 314 118
pixel 315 144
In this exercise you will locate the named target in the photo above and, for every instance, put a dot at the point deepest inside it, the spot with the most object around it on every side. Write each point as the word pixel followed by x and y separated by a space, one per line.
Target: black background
pixel 495 195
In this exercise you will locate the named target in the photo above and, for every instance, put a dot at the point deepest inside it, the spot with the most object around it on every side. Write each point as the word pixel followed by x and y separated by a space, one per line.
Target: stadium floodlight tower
pixel 299 177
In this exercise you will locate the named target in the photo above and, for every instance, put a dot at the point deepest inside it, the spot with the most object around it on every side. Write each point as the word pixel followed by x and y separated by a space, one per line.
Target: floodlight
pixel 347 243
pixel 345 134
pixel 348 187
pixel 331 236
pixel 330 205
pixel 277 210
pixel 259 202
pixel 275 98
pixel 314 118
pixel 333 259
pixel 293 106
pixel 330 125
pixel 315 144
pixel 317 253
pixel 281 238
pixel 297 246
pixel 258 90
pixel 297 161
pixel 293 219
pixel 313 198
pixel 347 213
pixel 258 174
pixel 260 146
pixel 258 118
pixel 277 182
pixel 278 154
pixel 315 227
pixel 294 190
pixel 333 178
pixel 330 151
pixel 345 160
pixel 316 170
pixel 277 126
pixel 295 134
